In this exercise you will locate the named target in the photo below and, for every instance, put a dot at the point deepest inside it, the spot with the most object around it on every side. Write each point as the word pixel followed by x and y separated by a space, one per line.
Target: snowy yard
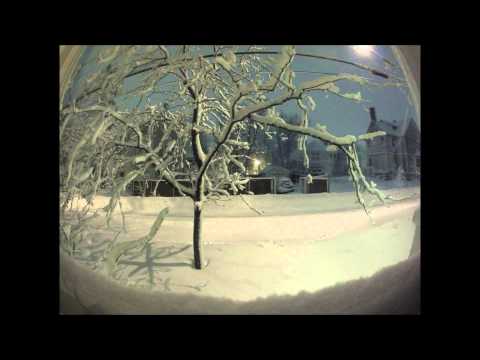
pixel 301 243
pixel 216 115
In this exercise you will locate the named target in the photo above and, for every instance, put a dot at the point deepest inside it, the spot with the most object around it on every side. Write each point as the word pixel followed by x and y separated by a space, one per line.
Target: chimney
pixel 373 115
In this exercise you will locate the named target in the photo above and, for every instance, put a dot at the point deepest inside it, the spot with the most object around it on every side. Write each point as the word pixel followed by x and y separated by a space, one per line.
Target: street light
pixel 255 166
pixel 363 50
pixel 368 50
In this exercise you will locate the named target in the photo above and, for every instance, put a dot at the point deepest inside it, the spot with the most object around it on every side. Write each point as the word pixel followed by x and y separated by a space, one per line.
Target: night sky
pixel 341 116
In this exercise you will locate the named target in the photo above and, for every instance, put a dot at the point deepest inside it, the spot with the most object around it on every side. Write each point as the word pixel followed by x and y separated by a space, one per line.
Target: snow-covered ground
pixel 344 184
pixel 302 243
pixel 271 205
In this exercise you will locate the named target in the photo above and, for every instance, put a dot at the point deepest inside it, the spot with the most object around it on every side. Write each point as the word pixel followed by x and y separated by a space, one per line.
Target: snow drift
pixel 393 290
pixel 311 263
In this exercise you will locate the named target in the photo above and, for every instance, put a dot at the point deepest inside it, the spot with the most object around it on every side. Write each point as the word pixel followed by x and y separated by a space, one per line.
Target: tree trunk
pixel 197 238
pixel 197 224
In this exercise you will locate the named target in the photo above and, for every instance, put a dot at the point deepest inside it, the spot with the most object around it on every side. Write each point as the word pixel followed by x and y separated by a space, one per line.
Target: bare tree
pixel 208 103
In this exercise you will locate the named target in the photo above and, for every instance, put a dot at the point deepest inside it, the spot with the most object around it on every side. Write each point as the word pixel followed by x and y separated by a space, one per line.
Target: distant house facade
pixel 340 164
pixel 321 161
pixel 397 151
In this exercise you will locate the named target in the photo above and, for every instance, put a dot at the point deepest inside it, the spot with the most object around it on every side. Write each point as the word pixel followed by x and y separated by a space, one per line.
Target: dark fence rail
pixel 259 186
pixel 262 185
pixel 318 185
pixel 155 188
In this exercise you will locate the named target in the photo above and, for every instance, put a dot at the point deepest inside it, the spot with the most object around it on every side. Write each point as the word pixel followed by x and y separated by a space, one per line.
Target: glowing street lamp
pixel 363 50
pixel 255 165
pixel 368 51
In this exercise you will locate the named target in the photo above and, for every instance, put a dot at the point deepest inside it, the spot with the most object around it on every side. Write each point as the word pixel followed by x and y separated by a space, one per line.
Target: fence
pixel 262 185
pixel 318 185
pixel 151 187
pixel 155 188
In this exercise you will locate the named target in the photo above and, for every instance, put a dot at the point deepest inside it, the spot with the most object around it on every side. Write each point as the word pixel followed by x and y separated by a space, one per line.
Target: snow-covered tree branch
pixel 186 115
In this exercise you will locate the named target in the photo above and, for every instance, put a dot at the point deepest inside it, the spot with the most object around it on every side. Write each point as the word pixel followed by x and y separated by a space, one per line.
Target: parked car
pixel 285 185
pixel 317 172
pixel 296 175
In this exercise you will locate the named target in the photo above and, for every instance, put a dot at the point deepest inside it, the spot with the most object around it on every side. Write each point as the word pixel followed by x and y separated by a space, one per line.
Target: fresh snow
pixel 392 290
pixel 303 243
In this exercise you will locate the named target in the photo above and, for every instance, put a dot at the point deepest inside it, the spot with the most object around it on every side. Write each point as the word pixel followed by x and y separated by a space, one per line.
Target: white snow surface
pixel 393 290
pixel 300 248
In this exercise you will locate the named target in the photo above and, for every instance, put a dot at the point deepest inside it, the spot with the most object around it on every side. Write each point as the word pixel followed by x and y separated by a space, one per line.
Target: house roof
pixel 412 130
pixel 275 170
pixel 391 129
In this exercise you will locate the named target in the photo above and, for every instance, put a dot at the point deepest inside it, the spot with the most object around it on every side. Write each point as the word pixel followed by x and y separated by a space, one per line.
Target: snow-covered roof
pixel 393 129
pixel 275 170
pixel 412 130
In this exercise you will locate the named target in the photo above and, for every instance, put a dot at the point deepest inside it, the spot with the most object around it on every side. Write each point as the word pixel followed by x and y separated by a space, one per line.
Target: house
pixel 321 161
pixel 397 151
pixel 340 164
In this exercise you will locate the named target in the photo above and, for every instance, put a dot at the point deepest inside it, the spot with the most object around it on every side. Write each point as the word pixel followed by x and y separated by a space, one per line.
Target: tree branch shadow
pixel 150 262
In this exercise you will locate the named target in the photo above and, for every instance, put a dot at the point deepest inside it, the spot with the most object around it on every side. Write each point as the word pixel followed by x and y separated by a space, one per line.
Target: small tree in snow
pixel 207 104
